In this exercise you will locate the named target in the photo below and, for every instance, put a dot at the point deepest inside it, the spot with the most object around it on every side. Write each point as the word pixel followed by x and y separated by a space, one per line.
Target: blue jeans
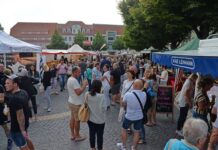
pixel 62 80
pixel 47 96
pixel 18 139
pixel 142 133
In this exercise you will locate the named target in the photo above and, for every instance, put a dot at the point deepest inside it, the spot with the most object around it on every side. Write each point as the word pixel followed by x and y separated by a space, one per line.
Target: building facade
pixel 41 33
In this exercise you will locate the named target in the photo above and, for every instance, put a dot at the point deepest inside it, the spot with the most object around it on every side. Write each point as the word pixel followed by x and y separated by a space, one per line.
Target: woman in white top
pixel 96 122
pixel 106 85
pixel 127 84
pixel 126 87
pixel 164 76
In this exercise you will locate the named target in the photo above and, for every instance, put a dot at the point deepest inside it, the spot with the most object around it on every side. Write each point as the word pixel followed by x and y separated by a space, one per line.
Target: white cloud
pixel 60 11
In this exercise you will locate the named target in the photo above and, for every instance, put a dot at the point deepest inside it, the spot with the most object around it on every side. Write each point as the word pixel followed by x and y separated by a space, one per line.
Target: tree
pixel 1 28
pixel 79 39
pixel 98 42
pixel 57 42
pixel 160 22
pixel 118 44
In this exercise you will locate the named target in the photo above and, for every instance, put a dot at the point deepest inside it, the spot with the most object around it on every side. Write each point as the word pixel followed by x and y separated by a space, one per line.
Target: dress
pixel 106 87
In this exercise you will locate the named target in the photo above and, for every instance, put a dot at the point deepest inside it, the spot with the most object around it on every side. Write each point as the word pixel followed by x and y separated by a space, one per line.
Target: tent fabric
pixel 76 49
pixel 191 45
pixel 53 51
pixel 200 61
pixel 9 44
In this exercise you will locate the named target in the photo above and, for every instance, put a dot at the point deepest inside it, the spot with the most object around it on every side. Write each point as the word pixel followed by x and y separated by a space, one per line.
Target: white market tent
pixel 76 49
pixel 53 51
pixel 9 44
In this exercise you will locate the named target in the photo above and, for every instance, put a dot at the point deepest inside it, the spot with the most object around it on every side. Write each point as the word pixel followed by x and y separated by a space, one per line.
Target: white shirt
pixel 133 109
pixel 97 108
pixel 182 98
pixel 105 82
pixel 126 86
pixel 72 84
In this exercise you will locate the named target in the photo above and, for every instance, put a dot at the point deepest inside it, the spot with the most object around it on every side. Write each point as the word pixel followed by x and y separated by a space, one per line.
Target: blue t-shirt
pixel 174 144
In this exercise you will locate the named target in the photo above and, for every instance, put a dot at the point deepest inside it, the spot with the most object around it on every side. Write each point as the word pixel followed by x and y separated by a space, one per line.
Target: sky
pixel 59 11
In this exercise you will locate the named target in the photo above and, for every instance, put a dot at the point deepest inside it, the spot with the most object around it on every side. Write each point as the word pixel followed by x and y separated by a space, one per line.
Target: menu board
pixel 164 99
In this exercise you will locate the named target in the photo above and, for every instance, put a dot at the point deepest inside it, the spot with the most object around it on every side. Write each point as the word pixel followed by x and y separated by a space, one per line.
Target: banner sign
pixel 183 62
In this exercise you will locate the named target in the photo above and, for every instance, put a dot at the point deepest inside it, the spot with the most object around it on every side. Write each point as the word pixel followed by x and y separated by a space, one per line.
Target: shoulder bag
pixel 142 108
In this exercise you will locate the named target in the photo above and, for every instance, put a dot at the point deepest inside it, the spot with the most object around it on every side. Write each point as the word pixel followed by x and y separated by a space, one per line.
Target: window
pixel 68 30
pixel 65 38
pixel 70 38
pixel 91 38
pixel 110 38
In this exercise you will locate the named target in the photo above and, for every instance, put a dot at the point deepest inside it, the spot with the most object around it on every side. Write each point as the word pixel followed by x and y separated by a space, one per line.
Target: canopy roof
pixel 76 49
pixel 53 51
pixel 9 44
pixel 191 45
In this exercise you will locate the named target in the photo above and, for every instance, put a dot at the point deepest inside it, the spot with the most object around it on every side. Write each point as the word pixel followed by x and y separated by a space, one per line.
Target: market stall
pixel 204 60
pixel 15 53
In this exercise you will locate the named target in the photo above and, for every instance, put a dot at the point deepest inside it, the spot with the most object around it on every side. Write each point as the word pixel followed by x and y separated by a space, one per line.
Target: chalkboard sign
pixel 164 99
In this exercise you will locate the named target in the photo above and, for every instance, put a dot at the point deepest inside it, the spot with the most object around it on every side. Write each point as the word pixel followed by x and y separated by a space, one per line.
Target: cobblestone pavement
pixel 51 131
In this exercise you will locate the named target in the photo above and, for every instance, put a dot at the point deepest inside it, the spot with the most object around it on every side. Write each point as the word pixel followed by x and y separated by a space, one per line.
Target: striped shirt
pixel 203 98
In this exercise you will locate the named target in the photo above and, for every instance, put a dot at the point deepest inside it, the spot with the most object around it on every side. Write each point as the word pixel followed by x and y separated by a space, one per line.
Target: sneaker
pixel 120 146
pixel 179 132
pixel 49 110
pixel 10 144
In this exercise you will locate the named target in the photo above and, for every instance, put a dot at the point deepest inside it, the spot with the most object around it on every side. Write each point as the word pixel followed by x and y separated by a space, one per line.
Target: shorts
pixel 74 111
pixel 137 124
pixel 18 139
pixel 115 89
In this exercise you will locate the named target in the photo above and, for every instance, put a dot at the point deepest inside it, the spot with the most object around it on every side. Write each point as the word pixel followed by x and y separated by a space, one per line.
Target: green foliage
pixel 1 28
pixel 79 39
pixel 160 22
pixel 57 42
pixel 118 44
pixel 98 42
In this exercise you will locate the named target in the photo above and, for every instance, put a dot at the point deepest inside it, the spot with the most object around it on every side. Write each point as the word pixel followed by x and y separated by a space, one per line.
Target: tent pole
pixel 4 57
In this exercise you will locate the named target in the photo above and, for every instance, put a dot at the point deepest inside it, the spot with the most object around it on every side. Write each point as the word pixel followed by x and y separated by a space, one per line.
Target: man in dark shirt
pixel 104 62
pixel 17 101
pixel 115 83
pixel 82 66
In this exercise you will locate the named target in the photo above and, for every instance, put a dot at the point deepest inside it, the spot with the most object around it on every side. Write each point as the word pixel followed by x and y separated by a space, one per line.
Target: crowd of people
pixel 130 83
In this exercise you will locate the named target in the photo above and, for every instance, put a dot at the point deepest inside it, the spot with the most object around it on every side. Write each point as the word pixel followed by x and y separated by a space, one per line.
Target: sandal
pixel 72 138
pixel 81 138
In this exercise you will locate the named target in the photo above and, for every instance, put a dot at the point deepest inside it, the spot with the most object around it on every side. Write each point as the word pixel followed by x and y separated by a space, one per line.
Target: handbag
pixel 84 111
pixel 121 114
